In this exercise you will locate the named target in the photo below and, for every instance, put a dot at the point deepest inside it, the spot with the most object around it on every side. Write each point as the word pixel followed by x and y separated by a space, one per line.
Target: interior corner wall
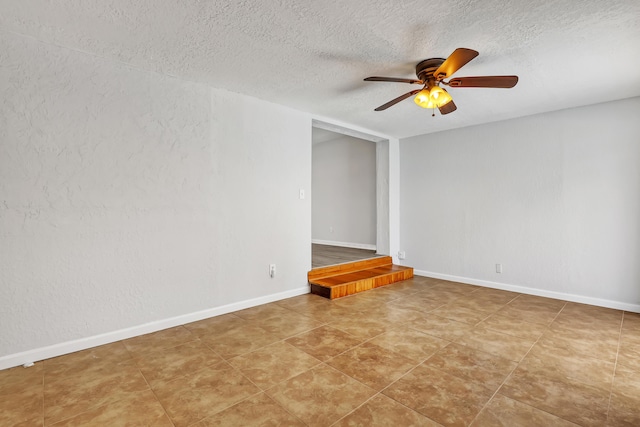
pixel 128 197
pixel 344 192
pixel 553 197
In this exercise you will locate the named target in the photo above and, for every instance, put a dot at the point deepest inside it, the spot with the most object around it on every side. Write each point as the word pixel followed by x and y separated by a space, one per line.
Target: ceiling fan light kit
pixel 432 72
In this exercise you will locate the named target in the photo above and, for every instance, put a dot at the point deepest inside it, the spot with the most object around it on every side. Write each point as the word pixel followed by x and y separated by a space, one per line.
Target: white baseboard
pixel 55 350
pixel 344 244
pixel 533 291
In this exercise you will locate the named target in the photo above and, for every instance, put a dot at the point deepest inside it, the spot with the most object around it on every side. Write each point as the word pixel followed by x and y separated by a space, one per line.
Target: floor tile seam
pixel 223 409
pixel 191 373
pixel 587 358
pixel 615 366
pixel 536 408
pixel 280 381
pixel 410 371
pixel 504 381
pixel 220 355
pixel 44 403
pixel 160 402
pixel 283 408
pixel 518 366
pixel 92 408
pixel 494 394
pixel 132 354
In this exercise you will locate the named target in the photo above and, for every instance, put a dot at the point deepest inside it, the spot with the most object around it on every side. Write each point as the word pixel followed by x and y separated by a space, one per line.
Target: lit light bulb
pixel 439 96
pixel 423 99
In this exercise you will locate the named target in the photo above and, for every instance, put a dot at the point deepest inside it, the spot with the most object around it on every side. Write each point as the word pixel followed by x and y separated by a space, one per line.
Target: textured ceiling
pixel 312 55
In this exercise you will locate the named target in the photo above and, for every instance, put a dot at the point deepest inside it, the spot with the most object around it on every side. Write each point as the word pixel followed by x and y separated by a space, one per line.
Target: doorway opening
pixel 349 197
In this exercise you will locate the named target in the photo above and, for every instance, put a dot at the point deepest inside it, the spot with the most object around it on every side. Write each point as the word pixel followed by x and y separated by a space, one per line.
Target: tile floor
pixel 421 352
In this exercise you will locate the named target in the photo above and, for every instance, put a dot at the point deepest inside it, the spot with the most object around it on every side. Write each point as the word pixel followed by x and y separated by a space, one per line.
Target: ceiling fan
pixel 431 74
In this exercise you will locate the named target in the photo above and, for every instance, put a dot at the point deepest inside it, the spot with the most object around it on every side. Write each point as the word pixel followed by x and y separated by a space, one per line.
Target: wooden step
pixel 340 280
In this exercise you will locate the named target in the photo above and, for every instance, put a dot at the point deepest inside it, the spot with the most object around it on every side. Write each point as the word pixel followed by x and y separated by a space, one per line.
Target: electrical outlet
pixel 272 270
pixel 402 255
pixel 498 268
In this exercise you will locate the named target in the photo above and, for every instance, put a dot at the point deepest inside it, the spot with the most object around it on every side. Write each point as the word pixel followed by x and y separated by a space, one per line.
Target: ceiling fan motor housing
pixel 426 68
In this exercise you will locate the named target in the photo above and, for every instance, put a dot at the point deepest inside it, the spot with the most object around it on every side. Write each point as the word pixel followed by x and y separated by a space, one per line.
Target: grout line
pixel 516 367
pixel 615 365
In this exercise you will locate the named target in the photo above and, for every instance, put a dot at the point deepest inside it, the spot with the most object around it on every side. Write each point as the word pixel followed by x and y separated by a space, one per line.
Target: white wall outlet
pixel 330 229
pixel 498 268
pixel 301 193
pixel 272 270
pixel 402 255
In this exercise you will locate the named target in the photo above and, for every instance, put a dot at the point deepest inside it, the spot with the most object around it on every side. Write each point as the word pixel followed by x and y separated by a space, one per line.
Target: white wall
pixel 554 197
pixel 130 200
pixel 344 192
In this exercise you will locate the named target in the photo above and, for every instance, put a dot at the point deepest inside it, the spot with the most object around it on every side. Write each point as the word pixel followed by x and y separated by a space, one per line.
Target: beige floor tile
pixel 587 317
pixel 533 309
pixel 19 379
pixel 324 314
pixel 382 411
pixel 320 396
pixel 411 343
pixel 204 393
pixel 440 396
pixel 396 314
pixel 567 365
pixel 629 354
pixel 499 344
pixel 87 361
pixel 459 313
pixel 513 326
pixel 165 365
pixel 423 280
pixel 631 323
pixel 478 304
pixel 458 288
pixel 301 302
pixel 273 364
pixel 324 342
pixel 504 412
pixel 472 365
pixel 571 400
pixel 593 344
pixel 418 303
pixel 624 409
pixel 493 295
pixel 261 312
pixel 373 366
pixel 141 409
pixel 441 327
pixel 536 303
pixel 21 407
pixel 287 325
pixel 362 326
pixel 239 340
pixel 215 325
pixel 359 303
pixel 69 396
pixel 258 410
pixel 437 296
pixel 159 340
pixel 544 318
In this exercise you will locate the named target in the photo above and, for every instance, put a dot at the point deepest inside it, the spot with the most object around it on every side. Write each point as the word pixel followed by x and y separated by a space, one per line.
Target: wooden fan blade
pixel 393 79
pixel 485 81
pixel 447 108
pixel 395 101
pixel 454 62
